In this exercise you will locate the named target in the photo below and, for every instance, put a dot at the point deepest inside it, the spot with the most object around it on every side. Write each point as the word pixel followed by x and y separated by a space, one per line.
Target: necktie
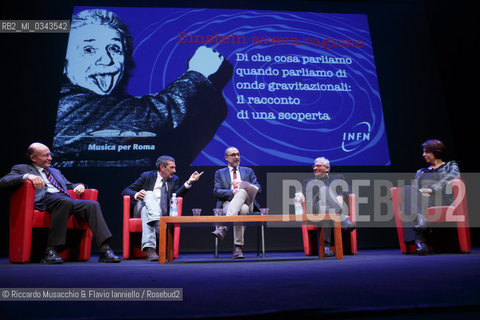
pixel 54 182
pixel 163 198
pixel 235 177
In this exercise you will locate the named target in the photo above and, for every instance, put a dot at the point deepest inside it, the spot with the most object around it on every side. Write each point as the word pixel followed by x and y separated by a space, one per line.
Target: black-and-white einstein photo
pixel 99 124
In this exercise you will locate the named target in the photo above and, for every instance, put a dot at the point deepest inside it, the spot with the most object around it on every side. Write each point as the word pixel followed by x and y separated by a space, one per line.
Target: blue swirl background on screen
pixel 346 124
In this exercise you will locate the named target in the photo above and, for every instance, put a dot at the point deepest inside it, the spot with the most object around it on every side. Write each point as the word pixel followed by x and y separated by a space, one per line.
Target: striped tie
pixel 163 198
pixel 54 182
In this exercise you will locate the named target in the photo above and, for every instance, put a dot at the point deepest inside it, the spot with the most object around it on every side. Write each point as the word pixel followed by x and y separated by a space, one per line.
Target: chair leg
pixel 259 235
pixel 216 248
pixel 263 240
pixel 321 243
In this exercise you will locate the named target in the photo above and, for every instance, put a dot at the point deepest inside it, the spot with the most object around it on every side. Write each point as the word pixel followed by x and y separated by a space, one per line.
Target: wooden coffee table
pixel 165 242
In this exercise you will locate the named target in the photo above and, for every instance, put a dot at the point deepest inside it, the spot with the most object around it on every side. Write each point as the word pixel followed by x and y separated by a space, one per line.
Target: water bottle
pixel 298 204
pixel 174 205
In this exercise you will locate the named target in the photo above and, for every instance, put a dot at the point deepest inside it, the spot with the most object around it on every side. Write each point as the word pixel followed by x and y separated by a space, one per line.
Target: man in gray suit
pixel 324 199
pixel 233 197
pixel 51 194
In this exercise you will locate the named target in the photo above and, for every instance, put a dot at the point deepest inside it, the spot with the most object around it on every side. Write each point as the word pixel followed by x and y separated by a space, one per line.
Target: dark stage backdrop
pixel 424 59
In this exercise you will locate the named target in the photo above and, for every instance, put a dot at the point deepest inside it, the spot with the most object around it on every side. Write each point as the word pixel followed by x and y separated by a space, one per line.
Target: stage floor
pixel 380 284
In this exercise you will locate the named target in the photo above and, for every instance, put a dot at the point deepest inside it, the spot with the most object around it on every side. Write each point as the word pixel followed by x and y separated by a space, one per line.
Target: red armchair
pixel 310 245
pixel 457 212
pixel 23 218
pixel 132 229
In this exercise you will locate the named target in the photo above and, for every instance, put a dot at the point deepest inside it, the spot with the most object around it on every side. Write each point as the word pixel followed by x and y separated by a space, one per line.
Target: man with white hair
pixel 324 198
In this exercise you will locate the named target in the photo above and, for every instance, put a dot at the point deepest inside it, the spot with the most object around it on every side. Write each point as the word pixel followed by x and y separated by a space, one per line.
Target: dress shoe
pixel 348 225
pixel 422 248
pixel 151 254
pixel 107 256
pixel 220 232
pixel 238 253
pixel 51 257
pixel 328 251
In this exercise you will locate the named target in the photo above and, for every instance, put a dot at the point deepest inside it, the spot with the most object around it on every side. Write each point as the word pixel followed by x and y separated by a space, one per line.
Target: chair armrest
pixel 89 194
pixel 352 206
pixel 396 202
pixel 126 208
pixel 22 202
pixel 126 227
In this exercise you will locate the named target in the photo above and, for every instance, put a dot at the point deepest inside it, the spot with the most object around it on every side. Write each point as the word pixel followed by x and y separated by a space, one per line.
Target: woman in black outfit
pixel 428 189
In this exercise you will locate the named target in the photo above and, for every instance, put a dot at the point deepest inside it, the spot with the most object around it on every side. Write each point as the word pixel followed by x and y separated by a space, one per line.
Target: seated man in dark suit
pixel 233 198
pixel 51 195
pixel 152 192
pixel 324 199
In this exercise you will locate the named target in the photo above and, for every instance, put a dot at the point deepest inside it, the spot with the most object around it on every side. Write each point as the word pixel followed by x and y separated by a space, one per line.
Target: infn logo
pixel 351 140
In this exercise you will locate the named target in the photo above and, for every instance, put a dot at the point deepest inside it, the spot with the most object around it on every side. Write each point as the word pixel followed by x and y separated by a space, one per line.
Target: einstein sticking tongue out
pixel 99 58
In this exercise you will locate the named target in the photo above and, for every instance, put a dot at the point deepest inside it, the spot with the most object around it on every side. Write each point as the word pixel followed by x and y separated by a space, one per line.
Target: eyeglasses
pixel 234 154
pixel 46 155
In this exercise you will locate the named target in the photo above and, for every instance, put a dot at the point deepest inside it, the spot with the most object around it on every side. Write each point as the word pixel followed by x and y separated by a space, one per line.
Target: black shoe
pixel 348 225
pixel 328 252
pixel 51 257
pixel 422 248
pixel 108 256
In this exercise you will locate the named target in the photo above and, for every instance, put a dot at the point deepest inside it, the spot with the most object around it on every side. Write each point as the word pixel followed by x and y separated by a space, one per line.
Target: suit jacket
pixel 14 179
pixel 222 188
pixel 147 180
pixel 327 181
